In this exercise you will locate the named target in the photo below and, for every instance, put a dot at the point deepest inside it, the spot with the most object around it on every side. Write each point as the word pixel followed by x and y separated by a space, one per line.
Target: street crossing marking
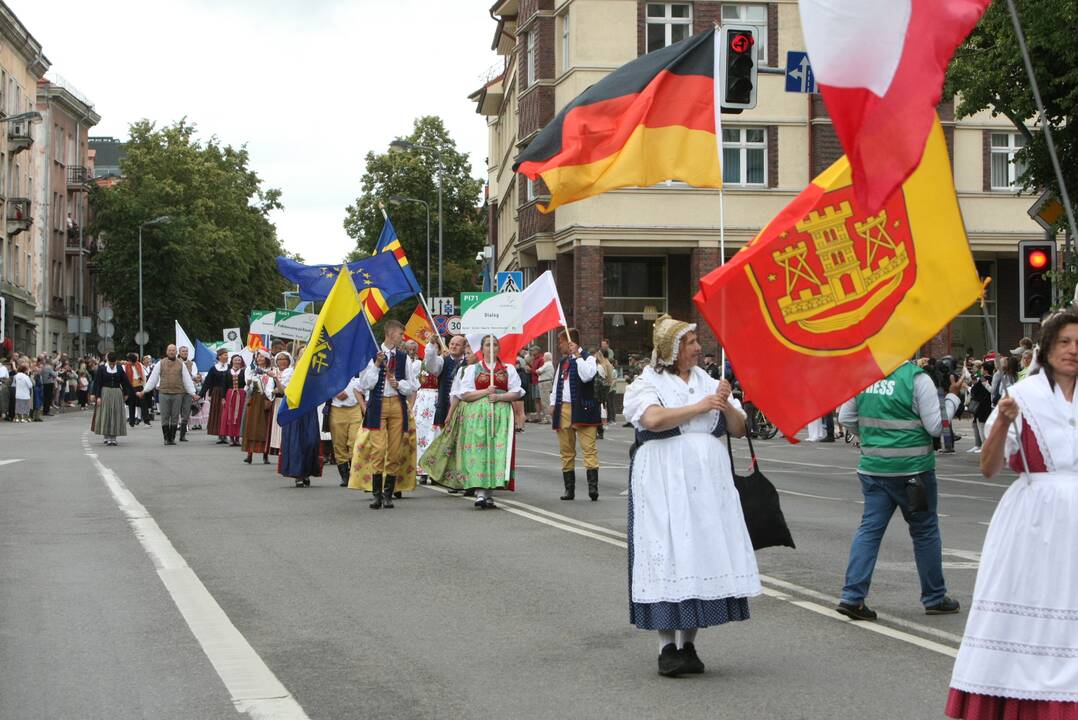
pixel 9 462
pixel 254 688
pixel 613 537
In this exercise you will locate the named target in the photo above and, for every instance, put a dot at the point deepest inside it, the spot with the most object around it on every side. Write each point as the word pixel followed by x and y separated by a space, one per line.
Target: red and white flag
pixel 540 312
pixel 880 67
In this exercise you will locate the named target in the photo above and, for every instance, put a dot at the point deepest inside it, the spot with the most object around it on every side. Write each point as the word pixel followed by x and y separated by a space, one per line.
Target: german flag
pixel 648 121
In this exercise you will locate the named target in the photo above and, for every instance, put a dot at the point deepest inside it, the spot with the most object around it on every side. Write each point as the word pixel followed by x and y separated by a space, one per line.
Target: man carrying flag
pixel 386 452
pixel 340 344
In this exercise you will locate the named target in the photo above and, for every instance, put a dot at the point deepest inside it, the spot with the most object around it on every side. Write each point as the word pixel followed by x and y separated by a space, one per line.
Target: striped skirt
pixel 110 417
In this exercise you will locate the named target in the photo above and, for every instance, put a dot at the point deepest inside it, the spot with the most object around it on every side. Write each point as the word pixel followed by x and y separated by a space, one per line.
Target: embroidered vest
pixel 171 381
pixel 373 419
pixel 445 384
pixel 586 410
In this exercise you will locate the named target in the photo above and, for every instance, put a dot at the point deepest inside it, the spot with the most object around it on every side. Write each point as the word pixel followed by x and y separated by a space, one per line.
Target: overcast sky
pixel 310 85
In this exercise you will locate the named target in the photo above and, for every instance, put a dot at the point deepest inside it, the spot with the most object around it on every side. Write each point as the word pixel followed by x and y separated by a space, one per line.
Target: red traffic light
pixel 741 43
pixel 1038 259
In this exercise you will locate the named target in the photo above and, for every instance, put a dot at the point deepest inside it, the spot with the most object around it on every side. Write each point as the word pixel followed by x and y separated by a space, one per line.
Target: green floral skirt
pixel 475 448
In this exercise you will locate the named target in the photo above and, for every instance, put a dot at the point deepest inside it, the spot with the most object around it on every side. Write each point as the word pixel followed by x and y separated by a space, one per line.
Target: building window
pixel 744 156
pixel 755 15
pixel 634 294
pixel 529 189
pixel 566 59
pixel 667 23
pixel 532 42
pixel 1006 170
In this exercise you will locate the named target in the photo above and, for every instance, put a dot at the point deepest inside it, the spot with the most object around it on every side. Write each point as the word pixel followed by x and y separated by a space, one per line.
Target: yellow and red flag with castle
pixel 829 298
pixel 418 328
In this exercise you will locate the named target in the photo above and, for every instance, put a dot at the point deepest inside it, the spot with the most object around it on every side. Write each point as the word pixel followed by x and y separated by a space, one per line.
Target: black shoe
pixel 946 606
pixel 222 441
pixel 306 482
pixel 345 470
pixel 423 480
pixel 593 483
pixel 569 478
pixel 299 482
pixel 671 661
pixel 376 491
pixel 470 492
pixel 856 612
pixel 488 503
pixel 693 664
pixel 247 459
pixel 387 492
pixel 599 432
pixel 183 432
pixel 479 503
pixel 455 491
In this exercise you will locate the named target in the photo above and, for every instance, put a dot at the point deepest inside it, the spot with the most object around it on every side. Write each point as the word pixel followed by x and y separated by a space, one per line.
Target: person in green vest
pixel 897 417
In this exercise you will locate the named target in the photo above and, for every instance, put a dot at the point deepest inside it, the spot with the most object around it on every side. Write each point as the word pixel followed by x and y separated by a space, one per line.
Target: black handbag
pixel 760 505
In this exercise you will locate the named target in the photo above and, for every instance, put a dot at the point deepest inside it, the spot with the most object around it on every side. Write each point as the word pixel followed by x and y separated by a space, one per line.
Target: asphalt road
pixel 192 594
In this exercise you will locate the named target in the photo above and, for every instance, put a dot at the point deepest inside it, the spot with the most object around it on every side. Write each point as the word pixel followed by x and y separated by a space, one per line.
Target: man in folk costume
pixel 575 413
pixel 389 445
pixel 345 422
pixel 172 380
pixel 136 378
pixel 187 400
pixel 441 368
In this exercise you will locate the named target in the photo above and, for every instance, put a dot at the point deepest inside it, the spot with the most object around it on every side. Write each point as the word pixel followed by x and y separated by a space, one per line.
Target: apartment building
pixel 624 257
pixel 22 64
pixel 64 170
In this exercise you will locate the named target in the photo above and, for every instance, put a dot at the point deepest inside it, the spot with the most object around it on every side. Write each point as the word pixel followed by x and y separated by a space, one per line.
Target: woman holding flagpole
pixel 691 562
pixel 483 456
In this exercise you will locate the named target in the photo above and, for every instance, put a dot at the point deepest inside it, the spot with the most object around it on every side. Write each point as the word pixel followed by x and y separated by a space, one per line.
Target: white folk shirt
pixel 353 387
pixel 408 386
pixel 587 369
pixel 155 378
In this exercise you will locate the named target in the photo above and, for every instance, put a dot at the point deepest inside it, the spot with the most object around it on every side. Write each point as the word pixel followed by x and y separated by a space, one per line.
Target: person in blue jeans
pixel 897 417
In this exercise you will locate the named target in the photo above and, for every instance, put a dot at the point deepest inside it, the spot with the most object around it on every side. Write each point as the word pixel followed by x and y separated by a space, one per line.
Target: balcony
pixel 73 244
pixel 19 137
pixel 78 178
pixel 18 216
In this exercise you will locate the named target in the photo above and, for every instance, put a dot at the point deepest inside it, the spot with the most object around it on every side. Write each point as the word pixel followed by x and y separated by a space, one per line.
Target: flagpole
pixel 422 300
pixel 1045 125
pixel 717 70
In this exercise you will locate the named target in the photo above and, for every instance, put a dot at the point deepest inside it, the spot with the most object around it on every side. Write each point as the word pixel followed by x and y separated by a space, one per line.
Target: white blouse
pixel 668 390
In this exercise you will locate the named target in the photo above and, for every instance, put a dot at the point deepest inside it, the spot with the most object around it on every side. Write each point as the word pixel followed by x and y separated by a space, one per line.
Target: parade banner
pixel 651 120
pixel 490 314
pixel 541 312
pixel 232 338
pixel 262 321
pixel 830 297
pixel 293 325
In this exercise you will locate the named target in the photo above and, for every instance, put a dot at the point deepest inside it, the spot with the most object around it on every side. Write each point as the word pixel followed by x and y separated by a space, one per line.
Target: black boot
pixel 183 432
pixel 593 483
pixel 345 470
pixel 569 476
pixel 387 492
pixel 164 433
pixel 599 432
pixel 376 491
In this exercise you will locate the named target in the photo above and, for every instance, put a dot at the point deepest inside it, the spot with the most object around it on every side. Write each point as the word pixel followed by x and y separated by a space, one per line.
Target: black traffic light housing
pixel 737 67
pixel 1036 260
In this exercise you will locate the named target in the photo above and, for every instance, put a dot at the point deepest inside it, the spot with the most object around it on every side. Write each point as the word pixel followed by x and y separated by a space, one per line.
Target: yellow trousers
pixel 388 447
pixel 344 425
pixel 567 437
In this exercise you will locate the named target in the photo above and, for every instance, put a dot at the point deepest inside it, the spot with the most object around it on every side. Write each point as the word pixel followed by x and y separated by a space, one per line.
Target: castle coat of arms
pixel 835 277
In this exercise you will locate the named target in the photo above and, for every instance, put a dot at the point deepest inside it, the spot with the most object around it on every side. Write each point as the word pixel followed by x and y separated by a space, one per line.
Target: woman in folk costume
pixel 256 423
pixel 477 452
pixel 301 458
pixel 440 459
pixel 107 393
pixel 424 409
pixel 282 373
pixel 235 397
pixel 691 563
pixel 214 388
pixel 1019 655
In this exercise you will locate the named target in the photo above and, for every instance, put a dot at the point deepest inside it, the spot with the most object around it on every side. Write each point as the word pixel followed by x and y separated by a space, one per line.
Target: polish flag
pixel 880 67
pixel 541 312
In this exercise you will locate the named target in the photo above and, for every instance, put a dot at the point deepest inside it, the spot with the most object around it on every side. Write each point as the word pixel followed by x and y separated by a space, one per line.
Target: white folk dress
pixel 1021 639
pixel 691 562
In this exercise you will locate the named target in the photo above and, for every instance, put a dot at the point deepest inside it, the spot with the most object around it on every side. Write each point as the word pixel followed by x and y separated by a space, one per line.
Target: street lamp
pixel 400 145
pixel 141 339
pixel 397 200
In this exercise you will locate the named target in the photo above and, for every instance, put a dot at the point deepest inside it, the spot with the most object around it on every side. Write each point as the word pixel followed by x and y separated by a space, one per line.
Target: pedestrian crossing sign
pixel 511 281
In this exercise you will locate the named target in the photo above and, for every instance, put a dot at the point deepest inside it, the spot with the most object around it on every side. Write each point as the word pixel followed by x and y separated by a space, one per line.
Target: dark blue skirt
pixel 299 447
pixel 685 615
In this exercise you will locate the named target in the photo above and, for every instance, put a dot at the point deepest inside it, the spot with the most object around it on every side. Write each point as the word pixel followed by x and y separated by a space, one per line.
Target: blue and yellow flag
pixel 389 242
pixel 340 346
pixel 383 271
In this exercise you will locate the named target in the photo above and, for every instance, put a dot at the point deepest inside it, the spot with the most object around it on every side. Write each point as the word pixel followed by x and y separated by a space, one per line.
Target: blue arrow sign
pixel 799 77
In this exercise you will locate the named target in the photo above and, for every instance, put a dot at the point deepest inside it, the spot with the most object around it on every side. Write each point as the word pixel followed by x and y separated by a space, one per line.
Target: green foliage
pixel 988 74
pixel 207 267
pixel 414 174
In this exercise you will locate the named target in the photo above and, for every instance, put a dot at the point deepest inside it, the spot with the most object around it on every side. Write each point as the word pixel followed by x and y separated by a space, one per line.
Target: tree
pixel 414 174
pixel 988 74
pixel 214 260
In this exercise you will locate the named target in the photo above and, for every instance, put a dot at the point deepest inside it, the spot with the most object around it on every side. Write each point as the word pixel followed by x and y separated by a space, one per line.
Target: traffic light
pixel 737 65
pixel 1036 258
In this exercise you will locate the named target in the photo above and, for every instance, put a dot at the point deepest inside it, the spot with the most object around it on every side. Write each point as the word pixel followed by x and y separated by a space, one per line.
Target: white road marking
pixel 562 522
pixel 9 462
pixel 964 554
pixel 254 688
pixel 952 478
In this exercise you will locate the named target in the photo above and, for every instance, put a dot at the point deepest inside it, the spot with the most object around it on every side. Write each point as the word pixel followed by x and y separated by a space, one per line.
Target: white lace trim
pixel 1016 693
pixel 1016 648
pixel 1033 611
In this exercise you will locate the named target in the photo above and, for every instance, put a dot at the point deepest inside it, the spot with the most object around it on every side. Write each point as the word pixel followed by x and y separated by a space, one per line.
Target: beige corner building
pixel 624 257
pixel 22 64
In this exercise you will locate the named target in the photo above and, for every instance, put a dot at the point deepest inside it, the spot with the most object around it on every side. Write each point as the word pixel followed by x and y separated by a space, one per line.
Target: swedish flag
pixel 340 346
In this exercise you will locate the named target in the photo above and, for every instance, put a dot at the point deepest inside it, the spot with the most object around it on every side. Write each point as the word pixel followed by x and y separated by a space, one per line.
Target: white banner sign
pixel 295 327
pixel 494 314
pixel 233 339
